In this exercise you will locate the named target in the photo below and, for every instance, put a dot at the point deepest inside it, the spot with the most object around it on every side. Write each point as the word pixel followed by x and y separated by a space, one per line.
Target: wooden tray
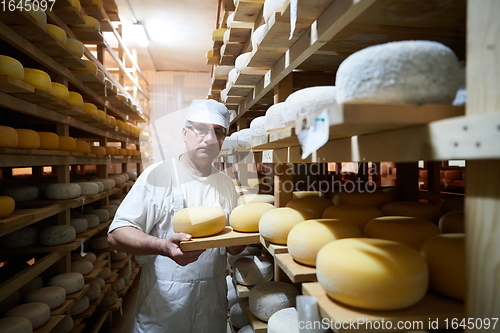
pixel 48 326
pixel 295 271
pixel 273 249
pixel 228 237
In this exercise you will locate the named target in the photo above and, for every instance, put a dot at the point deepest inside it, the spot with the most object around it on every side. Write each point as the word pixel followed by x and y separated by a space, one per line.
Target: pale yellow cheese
pixel 82 146
pixel 372 274
pixel 48 140
pixel 275 224
pixel 246 217
pixel 452 222
pixel 218 34
pixel 90 23
pixel 308 237
pixel 7 205
pixel 76 4
pixel 59 90
pixel 67 143
pixel 75 99
pixel 27 139
pixel 199 221
pixel 75 47
pixel 445 256
pixel 101 115
pixel 11 67
pixel 39 16
pixel 254 198
pixel 419 210
pixel 357 215
pixel 38 79
pixel 311 207
pixel 58 33
pixel 90 108
pixel 98 150
pixel 8 137
pixel 38 313
pixel 100 76
pixel 407 230
pixel 376 199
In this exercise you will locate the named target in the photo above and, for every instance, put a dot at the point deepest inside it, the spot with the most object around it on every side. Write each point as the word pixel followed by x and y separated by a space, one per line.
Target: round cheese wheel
pixel 125 274
pixel 38 79
pixel 118 285
pixel 274 117
pixel 90 22
pixel 98 150
pixel 305 104
pixel 105 273
pixel 246 217
pixel 132 175
pixel 16 324
pixel 71 282
pixel 255 198
pixel 27 139
pixel 373 274
pixel 258 35
pixel 243 137
pixel 252 270
pixel 269 297
pixel 88 188
pixel 80 224
pixel 218 34
pixel 237 314
pixel 7 205
pixel 75 47
pixel 21 192
pixel 75 99
pixel 118 179
pixel 92 220
pixel 110 151
pixel 90 108
pixel 89 256
pixel 307 238
pixel 242 61
pixel 11 67
pixel 37 313
pixel 271 7
pixel 83 267
pixel 414 72
pixel 64 326
pixel 257 126
pixel 58 33
pixel 99 243
pixel 94 291
pixel 284 321
pixel 80 306
pixel 452 222
pixel 108 183
pixel 67 143
pixel 102 214
pixel 225 39
pixel 100 76
pixel 101 115
pixel 57 235
pixel 118 255
pixel 199 221
pixel 82 146
pixel 48 140
pixel 357 215
pixel 445 256
pixel 100 186
pixel 275 224
pixel 53 296
pixel 310 208
pixel 24 237
pixel 109 299
pixel 407 230
pixel 8 137
pixel 62 191
pixel 375 199
pixel 419 210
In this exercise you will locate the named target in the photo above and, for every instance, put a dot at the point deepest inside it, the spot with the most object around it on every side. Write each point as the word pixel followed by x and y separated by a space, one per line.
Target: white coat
pixel 174 298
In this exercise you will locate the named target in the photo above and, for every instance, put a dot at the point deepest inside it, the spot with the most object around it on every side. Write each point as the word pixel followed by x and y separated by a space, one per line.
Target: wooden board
pixel 228 237
pixel 258 325
pixel 240 32
pixel 227 60
pixel 11 85
pixel 92 275
pixel 48 326
pixel 88 35
pixel 241 290
pixel 432 307
pixel 231 49
pixel 248 10
pixel 295 271
pixel 21 218
pixel 250 76
pixel 273 249
pixel 63 308
pixel 235 90
pixel 68 14
pixel 79 294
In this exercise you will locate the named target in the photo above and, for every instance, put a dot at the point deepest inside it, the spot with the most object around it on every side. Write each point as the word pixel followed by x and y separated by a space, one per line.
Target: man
pixel 179 291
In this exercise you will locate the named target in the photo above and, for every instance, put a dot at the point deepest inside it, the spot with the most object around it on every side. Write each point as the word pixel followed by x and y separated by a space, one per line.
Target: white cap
pixel 208 111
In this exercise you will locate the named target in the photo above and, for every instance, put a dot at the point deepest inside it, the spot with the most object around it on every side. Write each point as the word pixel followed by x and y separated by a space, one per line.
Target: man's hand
pixel 175 253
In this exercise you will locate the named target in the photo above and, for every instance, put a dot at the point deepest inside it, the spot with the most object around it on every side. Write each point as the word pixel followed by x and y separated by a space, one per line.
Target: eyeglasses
pixel 202 131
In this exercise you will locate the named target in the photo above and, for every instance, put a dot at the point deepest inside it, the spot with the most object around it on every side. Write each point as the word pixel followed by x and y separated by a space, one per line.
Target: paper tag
pixel 293 17
pixel 82 253
pixel 316 135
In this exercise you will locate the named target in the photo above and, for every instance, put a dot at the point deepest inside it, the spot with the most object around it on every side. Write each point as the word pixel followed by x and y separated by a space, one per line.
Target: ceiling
pixel 179 31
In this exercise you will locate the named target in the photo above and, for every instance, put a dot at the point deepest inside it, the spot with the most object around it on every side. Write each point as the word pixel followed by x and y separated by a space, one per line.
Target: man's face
pixel 203 141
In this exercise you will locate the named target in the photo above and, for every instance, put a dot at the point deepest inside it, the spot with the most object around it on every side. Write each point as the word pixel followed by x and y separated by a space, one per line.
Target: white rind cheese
pixel 24 237
pixel 274 117
pixel 62 191
pixel 53 296
pixel 71 282
pixel 238 315
pixel 16 324
pixel 242 61
pixel 92 220
pixel 83 267
pixel 258 35
pixel 258 126
pixel 284 321
pixel 88 188
pixel 38 313
pixel 57 235
pixel 252 270
pixel 269 297
pixel 305 104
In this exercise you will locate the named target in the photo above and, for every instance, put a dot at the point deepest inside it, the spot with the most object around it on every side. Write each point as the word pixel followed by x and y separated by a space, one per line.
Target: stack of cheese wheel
pixel 199 221
pixel 252 270
pixel 375 199
pixel 37 313
pixel 24 237
pixel 395 274
pixel 274 117
pixel 48 140
pixel 38 79
pixel 307 238
pixel 445 256
pixel 11 67
pixel 246 217
pixel 27 139
pixel 358 215
pixel 8 137
pixel 311 207
pixel 407 230
pixel 414 72
pixel 419 210
pixel 255 198
pixel 7 205
pixel 269 297
pixel 275 224
pixel 452 222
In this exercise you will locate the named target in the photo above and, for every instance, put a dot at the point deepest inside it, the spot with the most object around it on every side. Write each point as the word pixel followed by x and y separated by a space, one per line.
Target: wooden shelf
pixel 258 325
pixel 63 308
pixel 92 275
pixel 79 294
pixel 48 326
pixel 248 10
pixel 296 272
pixel 21 218
pixel 228 237
pixel 241 290
pixel 11 85
pixel 430 308
pixel 273 249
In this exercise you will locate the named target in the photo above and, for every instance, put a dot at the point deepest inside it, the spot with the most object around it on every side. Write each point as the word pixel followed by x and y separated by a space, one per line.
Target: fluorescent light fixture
pixel 139 35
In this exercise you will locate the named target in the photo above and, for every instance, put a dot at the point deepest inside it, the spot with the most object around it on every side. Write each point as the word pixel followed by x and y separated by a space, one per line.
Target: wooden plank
pixel 79 294
pixel 273 249
pixel 241 290
pixel 11 85
pixel 248 10
pixel 235 90
pixel 92 275
pixel 226 60
pixel 231 49
pixel 21 218
pixel 240 32
pixel 258 325
pixel 78 328
pixel 68 13
pixel 432 307
pixel 88 35
pixel 95 11
pixel 250 76
pixel 48 326
pixel 296 272
pixel 228 237
pixel 63 308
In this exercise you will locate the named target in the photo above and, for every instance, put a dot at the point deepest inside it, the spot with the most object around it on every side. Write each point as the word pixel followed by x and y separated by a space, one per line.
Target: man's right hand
pixel 175 252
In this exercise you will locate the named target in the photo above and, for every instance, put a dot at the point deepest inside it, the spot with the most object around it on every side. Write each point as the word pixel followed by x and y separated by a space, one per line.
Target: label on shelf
pixel 315 136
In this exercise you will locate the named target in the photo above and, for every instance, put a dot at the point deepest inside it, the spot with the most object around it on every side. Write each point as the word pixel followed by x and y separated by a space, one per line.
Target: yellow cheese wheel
pixel 111 120
pixel 101 115
pixel 58 33
pixel 48 140
pixel 7 205
pixel 452 222
pixel 246 217
pixel 373 274
pixel 419 210
pixel 210 53
pixel 67 143
pixel 407 230
pixel 218 34
pixel 311 208
pixel 100 75
pixel 59 90
pixel 308 237
pixel 75 99
pixel 75 46
pixel 82 146
pixel 90 108
pixel 76 4
pixel 27 139
pixel 98 150
pixel 91 22
pixel 38 79
pixel 90 67
pixel 445 256
pixel 120 124
pixel 11 67
pixel 39 16
pixel 376 199
pixel 306 194
pixel 8 137
pixel 110 151
pixel 357 215
pixel 254 198
pixel 199 221
pixel 275 224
